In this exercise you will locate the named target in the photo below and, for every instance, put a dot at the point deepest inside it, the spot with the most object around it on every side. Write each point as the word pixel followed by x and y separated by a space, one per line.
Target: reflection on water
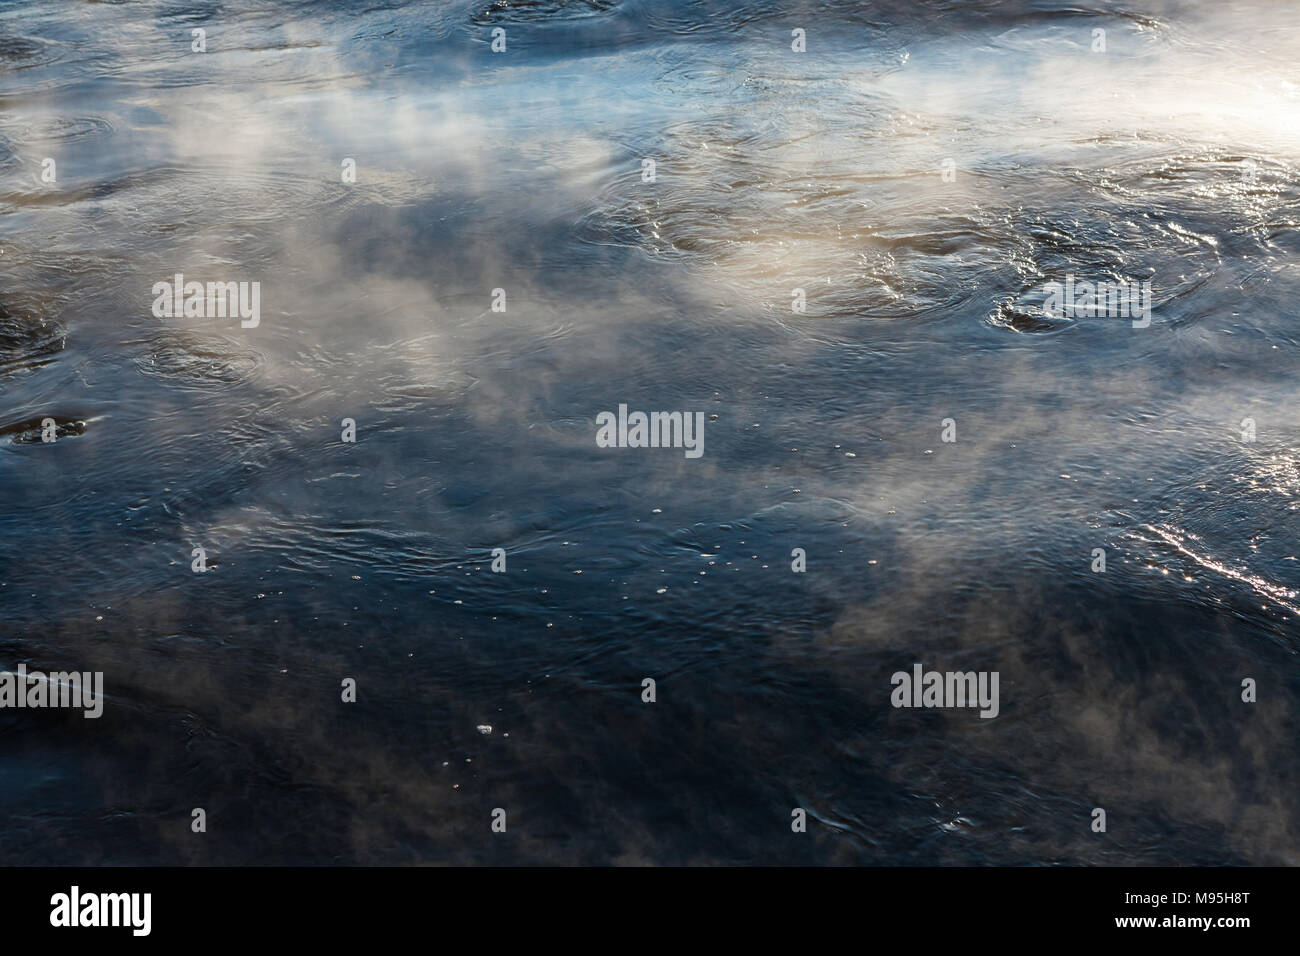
pixel 1169 157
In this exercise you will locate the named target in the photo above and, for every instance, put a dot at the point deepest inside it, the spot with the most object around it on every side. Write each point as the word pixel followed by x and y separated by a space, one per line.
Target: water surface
pixel 774 171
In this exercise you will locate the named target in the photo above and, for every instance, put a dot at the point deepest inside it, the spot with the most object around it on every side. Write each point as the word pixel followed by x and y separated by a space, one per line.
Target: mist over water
pixel 774 171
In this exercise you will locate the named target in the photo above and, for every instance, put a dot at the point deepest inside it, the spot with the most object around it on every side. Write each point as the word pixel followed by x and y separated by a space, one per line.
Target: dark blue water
pixel 1172 157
